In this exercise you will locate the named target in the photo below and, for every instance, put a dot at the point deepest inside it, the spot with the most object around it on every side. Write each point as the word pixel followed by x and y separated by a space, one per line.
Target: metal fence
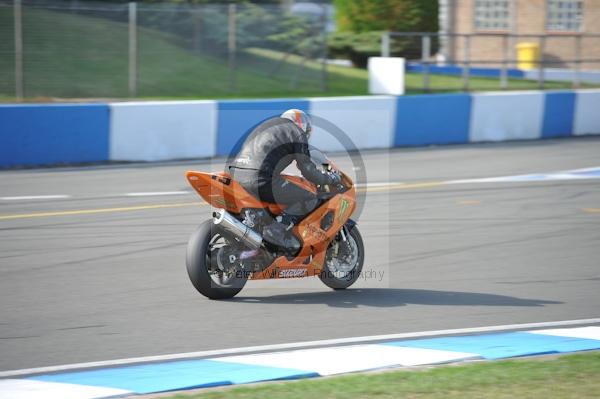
pixel 112 50
pixel 88 49
pixel 564 57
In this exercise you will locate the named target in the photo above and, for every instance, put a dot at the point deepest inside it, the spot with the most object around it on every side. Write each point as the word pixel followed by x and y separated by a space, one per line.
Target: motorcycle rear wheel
pixel 341 279
pixel 204 264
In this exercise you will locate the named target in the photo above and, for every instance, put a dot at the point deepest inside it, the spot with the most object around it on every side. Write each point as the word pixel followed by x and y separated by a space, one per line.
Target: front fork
pixel 343 237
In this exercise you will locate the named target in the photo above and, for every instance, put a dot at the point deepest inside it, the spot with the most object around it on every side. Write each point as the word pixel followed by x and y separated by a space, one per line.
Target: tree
pixel 392 15
pixel 361 22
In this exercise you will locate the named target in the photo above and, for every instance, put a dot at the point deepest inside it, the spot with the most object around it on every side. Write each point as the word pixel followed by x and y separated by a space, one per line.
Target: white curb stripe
pixel 329 361
pixel 592 332
pixel 295 345
pixel 29 389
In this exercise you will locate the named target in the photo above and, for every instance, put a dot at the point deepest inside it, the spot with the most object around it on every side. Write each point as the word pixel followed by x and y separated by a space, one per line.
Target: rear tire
pixel 328 276
pixel 198 263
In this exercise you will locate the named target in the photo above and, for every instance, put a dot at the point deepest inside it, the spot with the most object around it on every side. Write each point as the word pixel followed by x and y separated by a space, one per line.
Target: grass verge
pixel 572 376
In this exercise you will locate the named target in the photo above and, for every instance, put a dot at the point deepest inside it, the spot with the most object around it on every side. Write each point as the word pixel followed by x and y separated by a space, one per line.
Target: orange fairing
pixel 221 191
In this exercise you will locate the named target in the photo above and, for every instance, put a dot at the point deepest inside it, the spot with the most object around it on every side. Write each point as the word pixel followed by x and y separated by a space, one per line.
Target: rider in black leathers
pixel 269 149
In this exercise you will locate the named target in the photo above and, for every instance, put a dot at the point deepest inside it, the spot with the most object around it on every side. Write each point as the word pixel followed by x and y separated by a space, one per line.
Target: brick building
pixel 558 26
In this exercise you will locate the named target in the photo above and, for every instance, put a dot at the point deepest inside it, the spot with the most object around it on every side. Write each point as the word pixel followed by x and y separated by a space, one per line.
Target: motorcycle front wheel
pixel 206 262
pixel 341 270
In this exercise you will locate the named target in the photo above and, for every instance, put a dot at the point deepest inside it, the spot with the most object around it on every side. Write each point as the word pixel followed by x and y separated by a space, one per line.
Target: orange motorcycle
pixel 227 251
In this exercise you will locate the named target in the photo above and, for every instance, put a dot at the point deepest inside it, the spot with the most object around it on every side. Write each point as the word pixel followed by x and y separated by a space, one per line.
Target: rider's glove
pixel 334 178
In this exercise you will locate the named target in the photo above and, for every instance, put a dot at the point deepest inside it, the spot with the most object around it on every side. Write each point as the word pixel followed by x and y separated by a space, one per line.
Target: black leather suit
pixel 270 148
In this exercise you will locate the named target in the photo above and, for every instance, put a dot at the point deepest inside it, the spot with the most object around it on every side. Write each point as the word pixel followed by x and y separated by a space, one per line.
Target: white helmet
pixel 300 119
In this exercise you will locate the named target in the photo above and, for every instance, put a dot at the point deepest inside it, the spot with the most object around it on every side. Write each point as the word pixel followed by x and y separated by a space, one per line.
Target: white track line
pixel 383 184
pixel 34 197
pixel 527 178
pixel 157 193
pixel 591 169
pixel 563 175
pixel 294 345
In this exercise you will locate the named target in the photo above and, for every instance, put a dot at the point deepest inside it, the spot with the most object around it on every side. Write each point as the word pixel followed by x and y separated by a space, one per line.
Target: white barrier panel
pixel 564 75
pixel 367 121
pixel 506 116
pixel 155 131
pixel 587 112
pixel 386 75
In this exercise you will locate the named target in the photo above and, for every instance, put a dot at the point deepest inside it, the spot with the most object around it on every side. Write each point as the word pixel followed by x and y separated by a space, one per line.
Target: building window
pixel 492 14
pixel 564 15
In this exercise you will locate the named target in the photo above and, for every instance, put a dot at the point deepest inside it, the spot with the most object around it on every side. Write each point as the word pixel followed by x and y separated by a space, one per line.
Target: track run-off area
pixel 92 259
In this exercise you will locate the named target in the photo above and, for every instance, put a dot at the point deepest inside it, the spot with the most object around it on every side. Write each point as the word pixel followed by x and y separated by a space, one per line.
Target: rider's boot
pixel 279 233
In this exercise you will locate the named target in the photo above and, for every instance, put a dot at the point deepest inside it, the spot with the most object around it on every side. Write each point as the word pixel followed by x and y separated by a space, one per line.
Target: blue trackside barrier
pixel 53 134
pixel 45 134
pixel 458 70
pixel 559 113
pixel 432 119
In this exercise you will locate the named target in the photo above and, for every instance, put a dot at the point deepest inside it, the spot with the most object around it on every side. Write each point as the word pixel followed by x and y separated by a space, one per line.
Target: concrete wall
pixel 155 131
pixel 367 121
pixel 587 113
pixel 46 134
pixel 506 116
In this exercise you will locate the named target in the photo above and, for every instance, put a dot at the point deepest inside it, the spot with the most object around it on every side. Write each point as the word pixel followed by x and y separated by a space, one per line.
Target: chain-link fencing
pixel 549 60
pixel 112 50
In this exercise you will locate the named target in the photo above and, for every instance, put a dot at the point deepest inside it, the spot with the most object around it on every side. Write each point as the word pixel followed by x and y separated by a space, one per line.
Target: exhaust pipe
pixel 238 229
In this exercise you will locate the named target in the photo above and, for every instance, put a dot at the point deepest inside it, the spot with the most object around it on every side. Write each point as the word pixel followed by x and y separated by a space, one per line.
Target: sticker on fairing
pixel 289 273
pixel 344 205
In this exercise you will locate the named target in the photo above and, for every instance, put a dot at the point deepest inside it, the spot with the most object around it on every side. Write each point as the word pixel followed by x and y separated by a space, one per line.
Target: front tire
pixel 340 278
pixel 201 260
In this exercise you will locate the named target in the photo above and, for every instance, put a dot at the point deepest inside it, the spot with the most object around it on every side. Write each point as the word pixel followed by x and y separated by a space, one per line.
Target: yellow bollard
pixel 528 55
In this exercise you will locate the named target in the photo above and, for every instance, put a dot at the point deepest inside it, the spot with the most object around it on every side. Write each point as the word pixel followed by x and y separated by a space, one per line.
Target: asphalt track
pixel 100 275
